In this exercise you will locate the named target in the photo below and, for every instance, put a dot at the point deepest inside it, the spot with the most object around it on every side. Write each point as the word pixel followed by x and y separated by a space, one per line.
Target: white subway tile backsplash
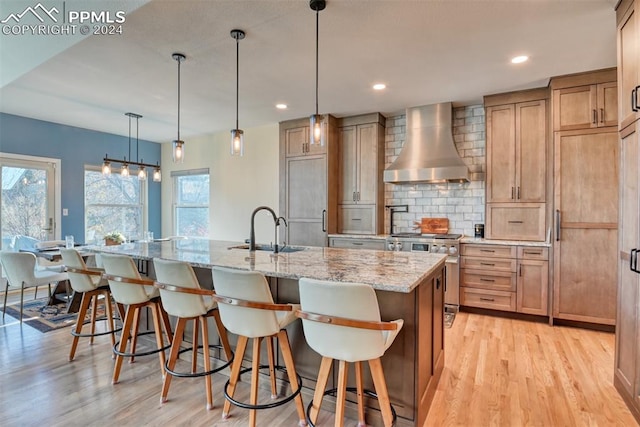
pixel 463 204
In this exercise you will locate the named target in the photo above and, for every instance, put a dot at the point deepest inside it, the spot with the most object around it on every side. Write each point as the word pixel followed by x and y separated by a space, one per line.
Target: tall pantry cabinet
pixel 627 356
pixel 308 196
pixel 586 160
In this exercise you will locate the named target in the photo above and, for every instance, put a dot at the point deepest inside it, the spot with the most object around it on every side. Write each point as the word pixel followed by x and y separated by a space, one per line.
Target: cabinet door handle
pixel 595 116
pixel 324 216
pixel 482 279
pixel 634 99
pixel 358 196
pixel 513 189
pixel 602 115
pixel 633 260
pixel 487 250
pixel 487 263
pixel 518 192
pixel 354 196
pixel 357 243
pixel 356 219
pixel 515 222
pixel 437 283
pixel 487 299
pixel 557 225
pixel 520 270
pixel 533 252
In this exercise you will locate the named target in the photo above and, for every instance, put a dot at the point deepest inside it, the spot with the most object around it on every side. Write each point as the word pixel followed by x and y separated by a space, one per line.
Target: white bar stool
pixel 90 284
pixel 247 310
pixel 341 321
pixel 130 289
pixel 183 298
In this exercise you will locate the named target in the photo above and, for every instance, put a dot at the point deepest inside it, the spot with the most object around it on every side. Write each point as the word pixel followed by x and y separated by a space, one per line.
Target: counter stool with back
pixel 135 292
pixel 247 310
pixel 341 321
pixel 92 286
pixel 183 298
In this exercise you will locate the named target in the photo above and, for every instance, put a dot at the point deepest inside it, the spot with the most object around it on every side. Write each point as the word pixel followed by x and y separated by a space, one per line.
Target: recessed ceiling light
pixel 379 86
pixel 281 106
pixel 519 59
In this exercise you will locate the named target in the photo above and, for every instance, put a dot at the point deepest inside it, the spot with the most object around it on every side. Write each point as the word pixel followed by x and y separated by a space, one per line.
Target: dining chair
pixel 247 310
pixel 183 298
pixel 341 321
pixel 90 283
pixel 130 289
pixel 20 268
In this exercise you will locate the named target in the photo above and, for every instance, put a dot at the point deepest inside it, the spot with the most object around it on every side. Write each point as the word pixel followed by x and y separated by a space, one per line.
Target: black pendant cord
pixel 237 78
pixel 137 141
pixel 179 99
pixel 129 139
pixel 317 37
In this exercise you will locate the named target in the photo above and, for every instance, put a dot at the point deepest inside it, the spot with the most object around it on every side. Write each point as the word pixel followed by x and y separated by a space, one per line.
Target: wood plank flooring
pixel 498 372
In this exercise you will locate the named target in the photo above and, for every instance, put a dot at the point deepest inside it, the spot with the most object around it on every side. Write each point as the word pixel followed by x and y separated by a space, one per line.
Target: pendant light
pixel 318 126
pixel 125 169
pixel 178 144
pixel 237 134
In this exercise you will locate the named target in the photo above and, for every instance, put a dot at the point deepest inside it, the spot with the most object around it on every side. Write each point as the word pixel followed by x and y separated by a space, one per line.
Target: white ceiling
pixel 426 51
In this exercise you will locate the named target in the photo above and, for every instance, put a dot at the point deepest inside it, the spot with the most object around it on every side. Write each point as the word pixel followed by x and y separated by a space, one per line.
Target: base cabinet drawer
pixel 516 221
pixel 494 300
pixel 491 280
pixel 493 264
pixel 348 243
pixel 533 252
pixel 357 219
pixel 488 251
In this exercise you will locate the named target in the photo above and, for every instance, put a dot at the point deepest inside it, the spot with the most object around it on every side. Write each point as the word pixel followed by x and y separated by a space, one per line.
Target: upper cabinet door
pixel 501 153
pixel 296 140
pixel 607 96
pixel 628 50
pixel 348 165
pixel 531 137
pixel 585 107
pixel 368 170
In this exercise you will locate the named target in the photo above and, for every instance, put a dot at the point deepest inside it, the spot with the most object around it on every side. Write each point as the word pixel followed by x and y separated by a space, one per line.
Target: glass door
pixel 27 201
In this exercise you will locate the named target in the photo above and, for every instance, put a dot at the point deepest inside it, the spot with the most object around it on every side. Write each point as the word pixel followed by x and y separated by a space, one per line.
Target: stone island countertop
pixel 385 271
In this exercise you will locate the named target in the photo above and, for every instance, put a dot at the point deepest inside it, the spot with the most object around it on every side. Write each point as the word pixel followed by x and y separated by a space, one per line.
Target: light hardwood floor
pixel 498 372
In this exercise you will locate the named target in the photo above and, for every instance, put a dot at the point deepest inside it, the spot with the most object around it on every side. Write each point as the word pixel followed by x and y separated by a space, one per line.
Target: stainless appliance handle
pixel 324 214
pixel 557 225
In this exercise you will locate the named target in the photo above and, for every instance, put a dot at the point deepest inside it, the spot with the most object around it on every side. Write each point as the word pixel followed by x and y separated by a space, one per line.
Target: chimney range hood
pixel 429 153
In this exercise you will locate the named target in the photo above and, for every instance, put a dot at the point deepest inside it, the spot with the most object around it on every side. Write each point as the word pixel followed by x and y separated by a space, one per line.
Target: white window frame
pixel 174 203
pixel 144 201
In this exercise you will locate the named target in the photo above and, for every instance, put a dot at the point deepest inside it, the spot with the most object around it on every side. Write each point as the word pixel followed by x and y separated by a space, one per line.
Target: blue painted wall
pixel 76 147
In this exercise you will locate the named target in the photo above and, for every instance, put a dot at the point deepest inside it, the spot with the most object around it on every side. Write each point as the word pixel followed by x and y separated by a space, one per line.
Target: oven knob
pixel 434 248
pixel 443 249
pixel 391 246
pixel 398 246
pixel 453 250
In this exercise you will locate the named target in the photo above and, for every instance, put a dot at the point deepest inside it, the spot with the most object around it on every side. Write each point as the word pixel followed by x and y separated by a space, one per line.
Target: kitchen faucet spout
pixel 252 234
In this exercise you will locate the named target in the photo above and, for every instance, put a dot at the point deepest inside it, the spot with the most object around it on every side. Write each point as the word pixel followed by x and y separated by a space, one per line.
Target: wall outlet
pixel 65 212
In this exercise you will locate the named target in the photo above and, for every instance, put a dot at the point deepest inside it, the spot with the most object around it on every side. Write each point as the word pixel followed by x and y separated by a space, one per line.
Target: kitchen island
pixel 408 286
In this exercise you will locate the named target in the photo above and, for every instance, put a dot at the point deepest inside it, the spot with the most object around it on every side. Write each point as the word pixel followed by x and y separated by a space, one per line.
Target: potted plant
pixel 115 238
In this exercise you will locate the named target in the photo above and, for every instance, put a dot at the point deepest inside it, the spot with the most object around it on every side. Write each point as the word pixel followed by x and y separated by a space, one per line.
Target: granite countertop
pixel 478 241
pixel 386 271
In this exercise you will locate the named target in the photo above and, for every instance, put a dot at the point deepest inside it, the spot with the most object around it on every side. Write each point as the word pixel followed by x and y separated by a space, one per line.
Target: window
pixel 191 203
pixel 112 203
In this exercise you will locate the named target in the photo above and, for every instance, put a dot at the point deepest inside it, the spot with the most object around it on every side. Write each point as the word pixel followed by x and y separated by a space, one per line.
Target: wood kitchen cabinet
pixel 505 278
pixel 586 165
pixel 361 164
pixel 357 243
pixel 585 107
pixel 516 164
pixel 628 34
pixel 308 196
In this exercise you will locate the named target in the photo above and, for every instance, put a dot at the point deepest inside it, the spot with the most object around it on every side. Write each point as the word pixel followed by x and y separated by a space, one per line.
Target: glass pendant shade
pixel 106 168
pixel 237 142
pixel 178 151
pixel 318 130
pixel 125 170
pixel 142 173
pixel 157 175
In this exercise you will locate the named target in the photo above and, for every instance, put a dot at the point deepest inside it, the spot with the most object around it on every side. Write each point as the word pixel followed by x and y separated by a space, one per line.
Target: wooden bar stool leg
pixel 222 333
pixel 166 323
pixel 360 394
pixel 381 390
pixel 342 391
pixel 194 353
pixel 124 337
pixel 173 357
pixel 207 360
pixel 255 375
pixel 84 305
pixel 272 367
pixel 321 384
pixel 134 335
pixel 285 347
pixel 155 309
pixel 109 309
pixel 241 347
pixel 94 312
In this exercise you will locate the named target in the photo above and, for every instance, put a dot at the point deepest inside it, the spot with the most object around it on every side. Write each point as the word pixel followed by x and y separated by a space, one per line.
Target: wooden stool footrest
pixel 275 404
pixel 97 334
pixel 202 373
pixel 142 353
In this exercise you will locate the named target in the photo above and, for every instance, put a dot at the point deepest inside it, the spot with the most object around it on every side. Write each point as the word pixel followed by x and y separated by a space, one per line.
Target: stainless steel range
pixel 436 243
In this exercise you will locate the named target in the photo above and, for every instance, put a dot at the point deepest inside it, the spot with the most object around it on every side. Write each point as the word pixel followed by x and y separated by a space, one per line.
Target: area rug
pixel 43 317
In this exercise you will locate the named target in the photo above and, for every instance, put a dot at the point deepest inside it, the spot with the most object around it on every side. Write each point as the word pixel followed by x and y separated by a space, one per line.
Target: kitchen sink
pixel 269 248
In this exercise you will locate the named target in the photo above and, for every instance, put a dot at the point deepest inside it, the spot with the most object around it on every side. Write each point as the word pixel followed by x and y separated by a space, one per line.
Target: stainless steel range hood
pixel 429 153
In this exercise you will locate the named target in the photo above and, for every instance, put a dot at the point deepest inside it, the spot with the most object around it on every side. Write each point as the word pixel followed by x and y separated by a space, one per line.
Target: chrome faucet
pixel 276 221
